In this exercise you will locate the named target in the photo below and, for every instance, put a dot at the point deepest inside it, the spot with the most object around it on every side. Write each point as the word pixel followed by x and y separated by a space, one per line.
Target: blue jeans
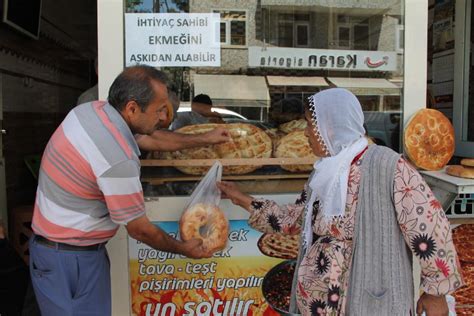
pixel 70 283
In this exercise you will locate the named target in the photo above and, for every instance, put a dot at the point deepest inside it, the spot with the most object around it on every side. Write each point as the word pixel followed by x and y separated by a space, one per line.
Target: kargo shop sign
pixel 300 58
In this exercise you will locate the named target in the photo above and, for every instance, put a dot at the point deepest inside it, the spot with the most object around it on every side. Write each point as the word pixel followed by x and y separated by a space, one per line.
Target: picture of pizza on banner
pixel 230 283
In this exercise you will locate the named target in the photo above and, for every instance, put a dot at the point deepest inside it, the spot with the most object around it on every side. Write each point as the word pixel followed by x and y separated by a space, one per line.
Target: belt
pixel 61 246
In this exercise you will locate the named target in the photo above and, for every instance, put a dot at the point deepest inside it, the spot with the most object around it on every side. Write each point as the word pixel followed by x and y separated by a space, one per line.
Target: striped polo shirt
pixel 89 181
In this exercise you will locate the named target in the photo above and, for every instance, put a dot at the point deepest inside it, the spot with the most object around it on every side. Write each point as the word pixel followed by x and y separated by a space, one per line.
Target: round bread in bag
pixel 206 222
pixel 248 141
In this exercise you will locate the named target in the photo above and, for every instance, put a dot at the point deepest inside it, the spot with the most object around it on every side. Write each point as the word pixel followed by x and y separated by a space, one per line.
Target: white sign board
pixel 172 39
pixel 302 58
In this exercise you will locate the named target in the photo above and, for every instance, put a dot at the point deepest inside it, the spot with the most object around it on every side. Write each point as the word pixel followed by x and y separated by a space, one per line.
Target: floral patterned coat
pixel 323 275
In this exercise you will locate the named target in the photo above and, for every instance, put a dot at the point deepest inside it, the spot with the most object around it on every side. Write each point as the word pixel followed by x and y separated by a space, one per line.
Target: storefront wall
pixel 410 71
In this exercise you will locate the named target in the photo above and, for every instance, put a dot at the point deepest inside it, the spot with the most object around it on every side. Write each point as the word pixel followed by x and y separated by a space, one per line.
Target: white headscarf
pixel 339 124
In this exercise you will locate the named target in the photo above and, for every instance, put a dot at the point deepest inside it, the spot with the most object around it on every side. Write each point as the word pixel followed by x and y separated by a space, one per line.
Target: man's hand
pixel 193 249
pixel 217 136
pixel 143 230
pixel 432 305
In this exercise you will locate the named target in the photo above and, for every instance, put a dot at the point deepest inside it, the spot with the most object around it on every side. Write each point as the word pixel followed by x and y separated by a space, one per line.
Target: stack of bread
pixel 295 145
pixel 294 125
pixel 248 141
pixel 464 170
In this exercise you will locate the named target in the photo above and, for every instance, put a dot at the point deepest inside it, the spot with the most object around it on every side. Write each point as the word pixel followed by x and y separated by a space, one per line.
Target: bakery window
pixel 463 99
pixel 259 61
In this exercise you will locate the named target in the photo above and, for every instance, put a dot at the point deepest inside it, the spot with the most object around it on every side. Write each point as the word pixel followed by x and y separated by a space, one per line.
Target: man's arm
pixel 143 230
pixel 162 140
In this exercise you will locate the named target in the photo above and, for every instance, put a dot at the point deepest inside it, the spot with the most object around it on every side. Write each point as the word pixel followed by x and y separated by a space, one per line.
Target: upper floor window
pixel 233 27
pixel 352 32
pixel 293 30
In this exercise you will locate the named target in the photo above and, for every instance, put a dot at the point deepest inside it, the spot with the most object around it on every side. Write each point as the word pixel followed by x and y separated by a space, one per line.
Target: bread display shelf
pixel 446 188
pixel 227 162
pixel 157 171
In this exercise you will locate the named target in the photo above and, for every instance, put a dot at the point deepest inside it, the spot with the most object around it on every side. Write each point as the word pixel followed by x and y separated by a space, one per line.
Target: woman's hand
pixel 432 305
pixel 230 191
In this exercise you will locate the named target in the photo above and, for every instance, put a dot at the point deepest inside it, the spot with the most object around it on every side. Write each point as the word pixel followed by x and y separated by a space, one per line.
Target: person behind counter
pixel 89 184
pixel 368 207
pixel 201 113
pixel 165 140
pixel 92 93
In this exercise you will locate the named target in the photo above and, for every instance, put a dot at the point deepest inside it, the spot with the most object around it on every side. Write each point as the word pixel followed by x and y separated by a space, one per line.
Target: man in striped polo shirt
pixel 89 183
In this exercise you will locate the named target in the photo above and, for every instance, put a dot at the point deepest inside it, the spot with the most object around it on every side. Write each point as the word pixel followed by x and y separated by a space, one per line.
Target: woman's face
pixel 309 132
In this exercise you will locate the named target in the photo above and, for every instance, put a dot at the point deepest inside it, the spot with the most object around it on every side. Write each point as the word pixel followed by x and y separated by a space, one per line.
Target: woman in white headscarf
pixel 366 206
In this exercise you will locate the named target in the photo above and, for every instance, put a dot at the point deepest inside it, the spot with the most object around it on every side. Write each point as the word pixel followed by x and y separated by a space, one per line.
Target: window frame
pixel 462 59
pixel 295 33
pixel 349 22
pixel 228 35
pixel 399 43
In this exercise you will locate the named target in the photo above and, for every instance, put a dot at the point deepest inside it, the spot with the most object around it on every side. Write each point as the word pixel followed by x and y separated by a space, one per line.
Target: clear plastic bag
pixel 206 191
pixel 202 217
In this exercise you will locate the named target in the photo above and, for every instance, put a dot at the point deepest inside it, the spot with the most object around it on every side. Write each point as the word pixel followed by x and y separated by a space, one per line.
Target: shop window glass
pixel 155 6
pixel 369 103
pixel 469 114
pixel 463 103
pixel 392 103
pixel 470 120
pixel 292 51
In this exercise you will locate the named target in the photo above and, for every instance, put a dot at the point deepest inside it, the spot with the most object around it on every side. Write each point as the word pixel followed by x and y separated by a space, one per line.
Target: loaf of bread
pixel 467 162
pixel 295 145
pixel 295 125
pixel 460 171
pixel 248 141
pixel 429 139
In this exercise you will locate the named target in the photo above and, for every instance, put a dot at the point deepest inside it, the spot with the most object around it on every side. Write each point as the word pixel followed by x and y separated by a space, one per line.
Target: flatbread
pixel 291 126
pixel 295 145
pixel 279 245
pixel 248 141
pixel 468 162
pixel 460 171
pixel 429 139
